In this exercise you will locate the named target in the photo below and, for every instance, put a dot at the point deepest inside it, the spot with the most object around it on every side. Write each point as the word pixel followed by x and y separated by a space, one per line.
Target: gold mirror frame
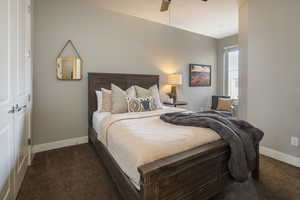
pixel 69 68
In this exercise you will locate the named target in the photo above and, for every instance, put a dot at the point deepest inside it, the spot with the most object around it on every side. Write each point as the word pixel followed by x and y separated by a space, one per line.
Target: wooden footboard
pixel 201 172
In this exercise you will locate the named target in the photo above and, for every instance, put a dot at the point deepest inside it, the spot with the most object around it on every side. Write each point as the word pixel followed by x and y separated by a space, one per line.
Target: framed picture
pixel 200 75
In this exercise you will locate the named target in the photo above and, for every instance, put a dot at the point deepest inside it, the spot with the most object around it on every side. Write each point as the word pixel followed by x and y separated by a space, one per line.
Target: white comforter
pixel 135 139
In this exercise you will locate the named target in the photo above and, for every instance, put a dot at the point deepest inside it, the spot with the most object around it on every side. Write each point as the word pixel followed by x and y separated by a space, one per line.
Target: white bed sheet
pixel 99 116
pixel 97 119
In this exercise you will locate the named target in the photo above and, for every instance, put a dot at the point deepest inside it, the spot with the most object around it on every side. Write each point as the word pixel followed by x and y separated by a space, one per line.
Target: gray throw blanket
pixel 241 136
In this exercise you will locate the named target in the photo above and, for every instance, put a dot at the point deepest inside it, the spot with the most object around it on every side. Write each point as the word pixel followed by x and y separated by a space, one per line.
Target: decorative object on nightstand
pixel 175 104
pixel 174 80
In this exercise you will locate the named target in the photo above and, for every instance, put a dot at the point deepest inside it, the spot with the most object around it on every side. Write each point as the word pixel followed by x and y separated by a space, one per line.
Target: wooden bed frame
pixel 199 173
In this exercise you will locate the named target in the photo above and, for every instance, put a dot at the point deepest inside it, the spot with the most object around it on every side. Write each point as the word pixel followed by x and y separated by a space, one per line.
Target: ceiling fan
pixel 166 3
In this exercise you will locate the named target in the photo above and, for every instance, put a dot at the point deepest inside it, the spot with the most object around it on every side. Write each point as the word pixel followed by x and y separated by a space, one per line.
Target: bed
pixel 199 172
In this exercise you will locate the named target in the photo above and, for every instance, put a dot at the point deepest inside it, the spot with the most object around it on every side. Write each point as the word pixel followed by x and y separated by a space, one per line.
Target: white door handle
pixel 19 109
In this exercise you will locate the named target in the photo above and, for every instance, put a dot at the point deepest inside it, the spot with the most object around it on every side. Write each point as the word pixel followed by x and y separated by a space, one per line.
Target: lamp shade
pixel 174 79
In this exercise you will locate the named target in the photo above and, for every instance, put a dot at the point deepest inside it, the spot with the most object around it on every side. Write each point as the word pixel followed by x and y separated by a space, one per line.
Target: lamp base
pixel 174 93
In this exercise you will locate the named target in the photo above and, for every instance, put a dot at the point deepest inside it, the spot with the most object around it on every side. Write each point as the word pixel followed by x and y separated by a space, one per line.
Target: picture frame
pixel 200 75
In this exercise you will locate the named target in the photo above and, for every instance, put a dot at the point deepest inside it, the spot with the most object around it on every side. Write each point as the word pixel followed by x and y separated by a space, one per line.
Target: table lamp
pixel 174 80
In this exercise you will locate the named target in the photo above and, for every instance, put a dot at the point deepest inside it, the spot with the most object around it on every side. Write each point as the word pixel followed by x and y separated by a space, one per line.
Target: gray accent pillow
pixel 119 99
pixel 142 92
pixel 131 92
pixel 152 91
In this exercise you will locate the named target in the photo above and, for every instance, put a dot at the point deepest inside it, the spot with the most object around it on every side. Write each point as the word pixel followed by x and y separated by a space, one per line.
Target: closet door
pixel 6 103
pixel 15 88
pixel 21 92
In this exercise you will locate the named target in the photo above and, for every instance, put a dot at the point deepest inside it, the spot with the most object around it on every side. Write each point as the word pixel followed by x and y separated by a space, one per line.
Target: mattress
pixel 97 119
pixel 135 139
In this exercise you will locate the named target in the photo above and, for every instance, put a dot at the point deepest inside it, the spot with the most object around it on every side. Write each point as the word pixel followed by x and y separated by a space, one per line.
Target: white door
pixel 15 87
pixel 21 91
pixel 28 67
pixel 6 103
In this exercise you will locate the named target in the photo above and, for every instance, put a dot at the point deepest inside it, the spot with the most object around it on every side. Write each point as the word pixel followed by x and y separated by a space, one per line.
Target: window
pixel 232 73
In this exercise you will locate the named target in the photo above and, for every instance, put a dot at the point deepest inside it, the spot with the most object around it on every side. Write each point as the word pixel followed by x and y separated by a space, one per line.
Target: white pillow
pixel 156 96
pixel 99 100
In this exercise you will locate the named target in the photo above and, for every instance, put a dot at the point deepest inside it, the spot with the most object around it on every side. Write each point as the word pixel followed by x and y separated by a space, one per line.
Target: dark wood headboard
pixel 124 81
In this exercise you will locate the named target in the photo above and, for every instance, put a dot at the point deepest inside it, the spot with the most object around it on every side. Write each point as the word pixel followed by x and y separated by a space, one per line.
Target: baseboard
pixel 286 158
pixel 292 160
pixel 59 144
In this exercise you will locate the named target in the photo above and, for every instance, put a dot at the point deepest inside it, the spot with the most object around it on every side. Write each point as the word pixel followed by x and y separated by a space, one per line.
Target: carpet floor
pixel 75 173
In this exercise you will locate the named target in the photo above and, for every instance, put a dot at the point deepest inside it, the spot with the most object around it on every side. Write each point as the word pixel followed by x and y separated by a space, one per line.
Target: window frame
pixel 227 50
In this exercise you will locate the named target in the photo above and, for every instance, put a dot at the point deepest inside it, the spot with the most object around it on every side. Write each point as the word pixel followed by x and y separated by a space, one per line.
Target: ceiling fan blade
pixel 165 5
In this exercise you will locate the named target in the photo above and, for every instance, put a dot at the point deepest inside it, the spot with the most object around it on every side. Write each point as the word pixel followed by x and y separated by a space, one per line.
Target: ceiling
pixel 215 18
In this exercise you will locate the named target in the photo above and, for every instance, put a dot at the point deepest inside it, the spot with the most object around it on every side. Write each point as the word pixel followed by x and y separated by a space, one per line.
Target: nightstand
pixel 178 103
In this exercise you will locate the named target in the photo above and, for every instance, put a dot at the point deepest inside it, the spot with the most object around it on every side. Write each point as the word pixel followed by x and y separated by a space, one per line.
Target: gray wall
pixel 222 44
pixel 108 42
pixel 273 93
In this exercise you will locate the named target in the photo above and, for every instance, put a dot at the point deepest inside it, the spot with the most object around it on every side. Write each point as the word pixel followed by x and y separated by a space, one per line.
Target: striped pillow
pixel 140 104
